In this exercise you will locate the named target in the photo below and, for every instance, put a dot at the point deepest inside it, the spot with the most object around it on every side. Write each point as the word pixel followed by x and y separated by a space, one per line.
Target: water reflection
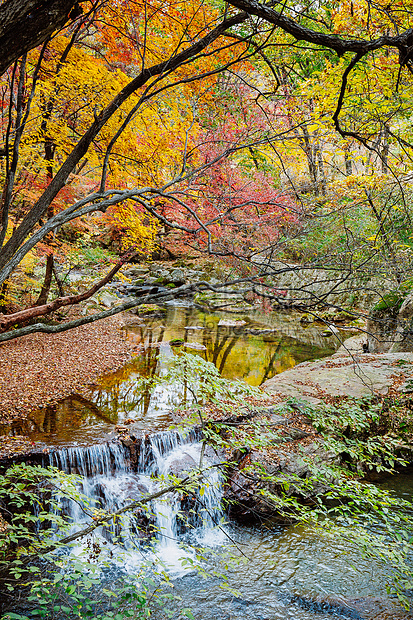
pixel 254 348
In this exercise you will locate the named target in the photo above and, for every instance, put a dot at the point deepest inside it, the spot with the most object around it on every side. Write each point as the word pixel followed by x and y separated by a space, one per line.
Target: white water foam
pixel 110 483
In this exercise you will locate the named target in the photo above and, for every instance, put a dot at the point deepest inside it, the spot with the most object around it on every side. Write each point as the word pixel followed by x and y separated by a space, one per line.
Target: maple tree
pixel 237 207
pixel 63 84
pixel 119 115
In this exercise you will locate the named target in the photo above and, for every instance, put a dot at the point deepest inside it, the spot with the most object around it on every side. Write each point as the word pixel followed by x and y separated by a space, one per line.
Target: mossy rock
pixel 306 319
pixel 177 342
pixel 389 304
pixel 150 309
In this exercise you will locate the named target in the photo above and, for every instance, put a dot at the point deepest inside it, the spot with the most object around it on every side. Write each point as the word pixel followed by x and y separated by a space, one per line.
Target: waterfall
pixel 111 479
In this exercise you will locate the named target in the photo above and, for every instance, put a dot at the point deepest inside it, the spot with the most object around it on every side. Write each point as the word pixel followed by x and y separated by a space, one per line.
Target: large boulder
pixel 246 492
pixel 343 375
pixel 404 334
pixel 390 324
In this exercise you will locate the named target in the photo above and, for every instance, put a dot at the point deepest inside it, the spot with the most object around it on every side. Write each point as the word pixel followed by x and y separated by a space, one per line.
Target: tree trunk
pixel 348 163
pixel 44 293
pixel 24 24
pixel 17 318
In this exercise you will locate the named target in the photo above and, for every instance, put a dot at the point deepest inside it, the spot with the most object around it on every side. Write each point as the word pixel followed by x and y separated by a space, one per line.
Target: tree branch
pixel 17 318
pixel 402 41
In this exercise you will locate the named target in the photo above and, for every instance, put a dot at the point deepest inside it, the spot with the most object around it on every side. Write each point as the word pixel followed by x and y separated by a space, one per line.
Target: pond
pixel 253 347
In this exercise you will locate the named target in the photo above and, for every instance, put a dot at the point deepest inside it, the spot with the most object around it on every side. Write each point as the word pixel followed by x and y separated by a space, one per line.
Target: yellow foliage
pixel 138 230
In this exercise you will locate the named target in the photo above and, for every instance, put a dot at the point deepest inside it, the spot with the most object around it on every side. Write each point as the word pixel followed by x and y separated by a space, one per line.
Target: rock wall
pixel 302 284
pixel 390 325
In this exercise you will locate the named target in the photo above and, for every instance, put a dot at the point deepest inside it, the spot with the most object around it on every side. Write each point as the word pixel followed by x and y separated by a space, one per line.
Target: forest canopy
pixel 242 130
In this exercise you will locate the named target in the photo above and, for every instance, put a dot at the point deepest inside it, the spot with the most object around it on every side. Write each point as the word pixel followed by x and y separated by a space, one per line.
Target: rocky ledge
pixel 345 375
pixel 314 399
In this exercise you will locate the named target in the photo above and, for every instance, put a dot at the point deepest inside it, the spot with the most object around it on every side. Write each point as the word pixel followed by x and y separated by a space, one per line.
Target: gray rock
pixel 177 275
pixel 352 345
pixel 340 376
pixel 179 466
pixel 105 298
pixel 279 420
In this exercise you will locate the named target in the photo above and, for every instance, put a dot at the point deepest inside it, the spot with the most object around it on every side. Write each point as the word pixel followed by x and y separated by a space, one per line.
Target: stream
pixel 282 571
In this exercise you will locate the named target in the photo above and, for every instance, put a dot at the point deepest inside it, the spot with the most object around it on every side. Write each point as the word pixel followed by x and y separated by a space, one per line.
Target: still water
pixel 253 347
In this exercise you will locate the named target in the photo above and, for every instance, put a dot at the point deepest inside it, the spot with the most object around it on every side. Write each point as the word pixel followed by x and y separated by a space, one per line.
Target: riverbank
pixel 39 369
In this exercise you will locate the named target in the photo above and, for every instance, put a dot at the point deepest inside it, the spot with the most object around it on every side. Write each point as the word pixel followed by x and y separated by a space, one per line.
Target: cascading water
pixel 111 479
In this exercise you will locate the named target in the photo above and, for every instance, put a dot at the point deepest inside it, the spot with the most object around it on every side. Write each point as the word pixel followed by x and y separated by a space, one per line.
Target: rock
pixel 177 342
pixel 390 325
pixel 246 493
pixel 228 323
pixel 106 298
pixel 350 346
pixel 182 465
pixel 406 387
pixel 177 276
pixel 135 272
pixel 303 283
pixel 134 488
pixel 150 310
pixel 298 463
pixel 296 433
pixel 164 274
pixel 404 334
pixel 341 376
pixel 127 441
pixel 307 319
pixel 195 345
pixel 279 420
pixel 383 325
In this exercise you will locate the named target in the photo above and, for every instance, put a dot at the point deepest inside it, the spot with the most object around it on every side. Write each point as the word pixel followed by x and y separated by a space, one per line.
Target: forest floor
pixel 39 369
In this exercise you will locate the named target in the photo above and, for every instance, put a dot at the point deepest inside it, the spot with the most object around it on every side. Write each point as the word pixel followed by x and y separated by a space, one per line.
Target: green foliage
pixel 201 384
pixel 390 301
pixel 62 587
pixel 358 431
pixel 89 254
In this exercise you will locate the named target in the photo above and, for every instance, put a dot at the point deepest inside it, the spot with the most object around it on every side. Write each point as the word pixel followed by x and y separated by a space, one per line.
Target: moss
pixel 150 309
pixel 390 301
pixel 176 342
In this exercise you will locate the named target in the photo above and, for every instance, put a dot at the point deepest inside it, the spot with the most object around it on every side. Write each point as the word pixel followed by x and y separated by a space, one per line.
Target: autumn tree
pixel 109 117
pixel 102 92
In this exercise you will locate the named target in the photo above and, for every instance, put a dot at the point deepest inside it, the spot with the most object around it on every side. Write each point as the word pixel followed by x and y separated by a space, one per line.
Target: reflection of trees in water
pixel 128 390
pixel 230 348
pixel 69 414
